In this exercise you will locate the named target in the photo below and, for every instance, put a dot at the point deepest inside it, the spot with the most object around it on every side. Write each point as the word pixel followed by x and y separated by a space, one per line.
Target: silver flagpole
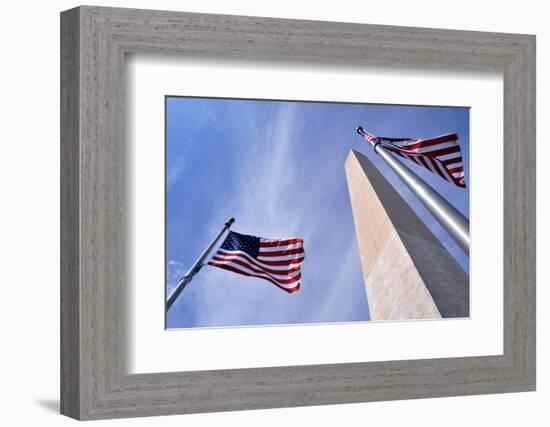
pixel 446 214
pixel 196 266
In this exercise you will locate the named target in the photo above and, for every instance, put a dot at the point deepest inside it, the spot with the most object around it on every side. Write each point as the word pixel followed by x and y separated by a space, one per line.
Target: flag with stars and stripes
pixel 440 155
pixel 276 260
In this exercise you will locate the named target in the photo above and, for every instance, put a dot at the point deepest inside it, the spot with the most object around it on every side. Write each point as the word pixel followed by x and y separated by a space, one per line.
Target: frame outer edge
pixel 526 232
pixel 532 185
pixel 70 398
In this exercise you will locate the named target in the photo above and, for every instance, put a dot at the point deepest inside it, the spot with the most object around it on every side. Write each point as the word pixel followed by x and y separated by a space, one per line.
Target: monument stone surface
pixel 408 273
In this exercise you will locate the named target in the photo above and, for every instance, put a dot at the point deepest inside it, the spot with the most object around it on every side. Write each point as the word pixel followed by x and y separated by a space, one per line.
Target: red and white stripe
pixel 440 155
pixel 278 262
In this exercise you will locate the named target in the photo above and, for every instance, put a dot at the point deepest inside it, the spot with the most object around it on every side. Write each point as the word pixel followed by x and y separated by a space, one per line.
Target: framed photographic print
pixel 262 213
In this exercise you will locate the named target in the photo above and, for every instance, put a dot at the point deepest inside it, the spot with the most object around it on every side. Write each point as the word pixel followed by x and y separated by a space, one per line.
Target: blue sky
pixel 278 168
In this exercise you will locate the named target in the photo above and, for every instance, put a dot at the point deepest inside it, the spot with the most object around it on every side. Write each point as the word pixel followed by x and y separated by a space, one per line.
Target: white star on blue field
pixel 278 168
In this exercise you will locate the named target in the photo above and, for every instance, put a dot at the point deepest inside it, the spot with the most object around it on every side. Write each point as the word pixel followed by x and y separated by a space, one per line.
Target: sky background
pixel 278 168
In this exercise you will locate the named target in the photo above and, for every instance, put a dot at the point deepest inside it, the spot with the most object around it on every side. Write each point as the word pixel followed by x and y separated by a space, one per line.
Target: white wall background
pixel 29 216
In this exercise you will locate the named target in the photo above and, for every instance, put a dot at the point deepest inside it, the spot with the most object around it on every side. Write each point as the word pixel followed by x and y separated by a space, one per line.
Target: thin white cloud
pixel 175 270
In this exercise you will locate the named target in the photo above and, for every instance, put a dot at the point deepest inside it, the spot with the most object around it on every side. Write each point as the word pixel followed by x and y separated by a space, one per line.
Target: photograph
pixel 293 212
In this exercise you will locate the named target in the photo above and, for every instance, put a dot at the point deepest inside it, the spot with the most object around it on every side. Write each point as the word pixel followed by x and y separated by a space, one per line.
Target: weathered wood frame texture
pixel 94 41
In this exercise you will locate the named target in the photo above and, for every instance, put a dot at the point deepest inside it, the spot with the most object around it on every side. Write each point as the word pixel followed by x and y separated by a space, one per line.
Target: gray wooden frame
pixel 94 41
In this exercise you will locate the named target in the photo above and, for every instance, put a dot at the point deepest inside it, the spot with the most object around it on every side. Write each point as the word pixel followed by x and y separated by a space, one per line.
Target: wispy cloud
pixel 175 270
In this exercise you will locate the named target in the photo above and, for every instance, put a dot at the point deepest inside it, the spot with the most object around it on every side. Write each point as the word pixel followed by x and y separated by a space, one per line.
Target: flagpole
pixel 446 214
pixel 196 266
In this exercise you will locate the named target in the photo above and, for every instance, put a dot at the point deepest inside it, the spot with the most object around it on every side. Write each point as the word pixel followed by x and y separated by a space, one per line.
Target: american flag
pixel 276 260
pixel 440 155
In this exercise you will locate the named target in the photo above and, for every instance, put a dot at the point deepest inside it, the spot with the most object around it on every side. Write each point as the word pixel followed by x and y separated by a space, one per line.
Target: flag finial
pixel 230 221
pixel 360 130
